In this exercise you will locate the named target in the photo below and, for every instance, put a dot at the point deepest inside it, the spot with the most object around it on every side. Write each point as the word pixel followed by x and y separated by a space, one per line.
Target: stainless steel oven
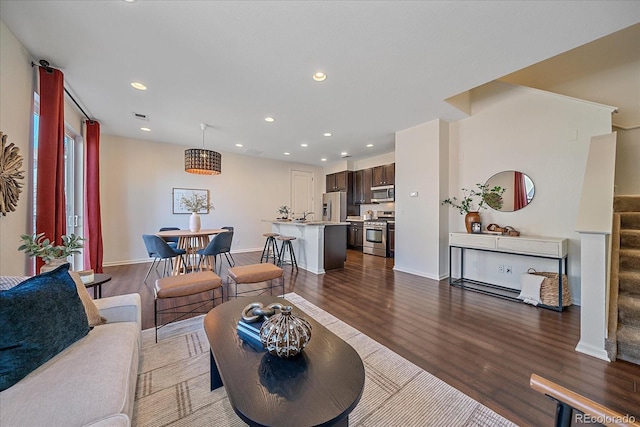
pixel 375 238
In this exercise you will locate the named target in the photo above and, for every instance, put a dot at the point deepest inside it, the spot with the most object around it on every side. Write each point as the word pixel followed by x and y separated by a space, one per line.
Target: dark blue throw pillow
pixel 39 318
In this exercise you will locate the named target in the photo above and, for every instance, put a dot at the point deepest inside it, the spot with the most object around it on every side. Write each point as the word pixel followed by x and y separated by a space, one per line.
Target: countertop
pixel 306 223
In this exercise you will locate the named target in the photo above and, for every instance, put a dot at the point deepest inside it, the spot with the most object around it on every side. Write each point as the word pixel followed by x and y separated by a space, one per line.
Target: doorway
pixel 302 194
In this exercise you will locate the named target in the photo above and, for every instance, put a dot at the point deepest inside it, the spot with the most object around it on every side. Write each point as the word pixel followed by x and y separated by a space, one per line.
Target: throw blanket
pixel 530 288
pixel 8 282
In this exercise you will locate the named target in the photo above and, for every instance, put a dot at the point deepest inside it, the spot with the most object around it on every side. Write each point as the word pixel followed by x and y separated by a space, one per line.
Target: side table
pixel 98 280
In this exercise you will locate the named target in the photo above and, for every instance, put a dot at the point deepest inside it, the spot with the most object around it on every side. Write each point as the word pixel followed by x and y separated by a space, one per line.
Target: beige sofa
pixel 90 383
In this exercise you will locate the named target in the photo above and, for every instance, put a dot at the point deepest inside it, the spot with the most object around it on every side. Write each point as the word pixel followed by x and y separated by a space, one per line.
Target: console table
pixel 530 246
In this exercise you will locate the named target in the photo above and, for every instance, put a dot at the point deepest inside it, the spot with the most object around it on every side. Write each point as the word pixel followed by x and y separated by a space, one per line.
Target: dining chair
pixel 229 228
pixel 172 241
pixel 220 244
pixel 148 243
pixel 162 251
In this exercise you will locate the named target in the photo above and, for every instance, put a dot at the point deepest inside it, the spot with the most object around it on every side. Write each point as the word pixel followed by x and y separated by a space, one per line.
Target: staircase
pixel 623 340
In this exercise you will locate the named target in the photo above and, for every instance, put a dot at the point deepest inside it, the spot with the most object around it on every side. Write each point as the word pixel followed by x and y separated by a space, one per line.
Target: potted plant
pixel 195 204
pixel 475 199
pixel 284 210
pixel 36 245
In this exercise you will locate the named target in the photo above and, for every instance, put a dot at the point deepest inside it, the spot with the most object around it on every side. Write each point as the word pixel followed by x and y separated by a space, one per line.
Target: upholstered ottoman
pixel 185 285
pixel 255 273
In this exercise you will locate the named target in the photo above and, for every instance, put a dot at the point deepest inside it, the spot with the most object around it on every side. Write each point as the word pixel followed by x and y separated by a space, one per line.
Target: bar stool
pixel 270 247
pixel 286 244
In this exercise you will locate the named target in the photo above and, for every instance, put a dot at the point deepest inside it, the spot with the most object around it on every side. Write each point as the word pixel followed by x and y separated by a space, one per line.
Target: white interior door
pixel 302 193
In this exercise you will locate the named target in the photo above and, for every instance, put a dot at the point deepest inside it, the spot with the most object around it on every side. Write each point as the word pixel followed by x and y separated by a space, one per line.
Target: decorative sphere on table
pixel 285 334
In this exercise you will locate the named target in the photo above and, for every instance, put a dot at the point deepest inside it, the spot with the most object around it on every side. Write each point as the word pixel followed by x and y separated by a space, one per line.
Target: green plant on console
pixel 36 245
pixel 475 199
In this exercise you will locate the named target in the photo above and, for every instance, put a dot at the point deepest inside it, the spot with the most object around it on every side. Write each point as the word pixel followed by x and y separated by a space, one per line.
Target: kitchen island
pixel 319 245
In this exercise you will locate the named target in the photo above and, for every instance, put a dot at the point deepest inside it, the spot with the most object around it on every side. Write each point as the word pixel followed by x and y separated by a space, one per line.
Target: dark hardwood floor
pixel 484 346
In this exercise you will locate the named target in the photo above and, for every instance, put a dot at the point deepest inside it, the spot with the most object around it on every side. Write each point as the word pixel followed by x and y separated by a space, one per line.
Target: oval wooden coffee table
pixel 319 387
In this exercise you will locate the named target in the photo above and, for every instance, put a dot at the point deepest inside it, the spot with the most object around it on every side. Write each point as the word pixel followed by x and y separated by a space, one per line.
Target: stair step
pixel 629 344
pixel 629 260
pixel 630 220
pixel 626 204
pixel 629 283
pixel 629 239
pixel 629 310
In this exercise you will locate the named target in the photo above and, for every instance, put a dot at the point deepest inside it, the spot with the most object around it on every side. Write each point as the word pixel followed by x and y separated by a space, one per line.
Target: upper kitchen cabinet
pixel 339 181
pixel 384 175
pixel 362 182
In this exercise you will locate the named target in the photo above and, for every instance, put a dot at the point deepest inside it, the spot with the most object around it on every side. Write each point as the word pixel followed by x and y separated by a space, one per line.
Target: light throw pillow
pixel 530 288
pixel 93 314
pixel 39 318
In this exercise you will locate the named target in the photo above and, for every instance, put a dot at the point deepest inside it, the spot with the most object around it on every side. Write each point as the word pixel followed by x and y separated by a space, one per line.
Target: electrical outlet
pixel 508 269
pixel 501 268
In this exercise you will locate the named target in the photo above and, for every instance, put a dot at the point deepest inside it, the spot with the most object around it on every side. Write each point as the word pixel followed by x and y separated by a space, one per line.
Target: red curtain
pixel 92 223
pixel 520 191
pixel 50 201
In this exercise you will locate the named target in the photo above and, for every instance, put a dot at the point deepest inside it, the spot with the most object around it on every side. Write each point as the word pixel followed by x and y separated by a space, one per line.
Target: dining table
pixel 191 242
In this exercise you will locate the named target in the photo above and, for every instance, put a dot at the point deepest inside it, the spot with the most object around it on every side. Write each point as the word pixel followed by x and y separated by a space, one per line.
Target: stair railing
pixel 587 411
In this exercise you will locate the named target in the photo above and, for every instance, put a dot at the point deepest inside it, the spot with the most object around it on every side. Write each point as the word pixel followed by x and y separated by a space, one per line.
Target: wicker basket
pixel 549 288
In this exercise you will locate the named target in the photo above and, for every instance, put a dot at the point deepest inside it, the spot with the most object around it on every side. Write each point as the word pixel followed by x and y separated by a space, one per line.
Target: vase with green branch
pixel 195 204
pixel 474 199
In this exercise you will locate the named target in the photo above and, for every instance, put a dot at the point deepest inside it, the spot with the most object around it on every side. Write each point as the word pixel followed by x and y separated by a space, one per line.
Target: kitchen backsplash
pixel 377 207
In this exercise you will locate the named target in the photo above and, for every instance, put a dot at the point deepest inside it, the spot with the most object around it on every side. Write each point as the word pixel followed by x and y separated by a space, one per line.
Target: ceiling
pixel 230 64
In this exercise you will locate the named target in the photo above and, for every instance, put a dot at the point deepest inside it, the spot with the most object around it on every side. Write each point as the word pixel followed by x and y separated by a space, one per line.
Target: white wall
pixel 137 178
pixel 627 157
pixel 382 159
pixel 16 88
pixel 421 166
pixel 543 135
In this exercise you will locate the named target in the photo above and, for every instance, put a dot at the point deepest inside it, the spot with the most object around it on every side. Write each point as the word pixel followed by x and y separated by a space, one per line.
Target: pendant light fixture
pixel 201 161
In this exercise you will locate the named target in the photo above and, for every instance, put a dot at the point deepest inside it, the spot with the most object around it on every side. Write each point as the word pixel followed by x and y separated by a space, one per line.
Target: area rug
pixel 173 384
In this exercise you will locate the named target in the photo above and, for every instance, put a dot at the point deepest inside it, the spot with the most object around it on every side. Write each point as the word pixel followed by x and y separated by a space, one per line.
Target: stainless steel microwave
pixel 382 194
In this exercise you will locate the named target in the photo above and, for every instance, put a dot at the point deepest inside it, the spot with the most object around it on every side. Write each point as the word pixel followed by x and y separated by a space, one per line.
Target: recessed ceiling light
pixel 327 134
pixel 129 1
pixel 369 145
pixel 304 145
pixel 319 77
pixel 269 119
pixel 146 129
pixel 138 85
pixel 344 153
pixel 238 145
pixel 323 159
pixel 286 153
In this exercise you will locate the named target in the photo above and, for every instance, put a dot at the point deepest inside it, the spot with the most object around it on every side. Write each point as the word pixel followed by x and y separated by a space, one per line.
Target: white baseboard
pixel 592 350
pixel 144 260
pixel 419 273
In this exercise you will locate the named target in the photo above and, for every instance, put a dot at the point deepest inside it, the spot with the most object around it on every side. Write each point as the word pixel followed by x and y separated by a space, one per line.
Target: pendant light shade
pixel 201 161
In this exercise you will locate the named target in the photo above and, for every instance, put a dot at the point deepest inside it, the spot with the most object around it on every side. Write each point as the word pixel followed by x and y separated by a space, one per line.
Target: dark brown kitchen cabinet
pixel 355 235
pixel 362 181
pixel 391 239
pixel 384 175
pixel 338 181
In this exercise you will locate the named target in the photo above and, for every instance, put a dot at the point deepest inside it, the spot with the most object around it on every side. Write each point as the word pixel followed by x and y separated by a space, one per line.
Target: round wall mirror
pixel 519 190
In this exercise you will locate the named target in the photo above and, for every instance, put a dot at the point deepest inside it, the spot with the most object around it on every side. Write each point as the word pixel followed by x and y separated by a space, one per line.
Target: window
pixel 73 179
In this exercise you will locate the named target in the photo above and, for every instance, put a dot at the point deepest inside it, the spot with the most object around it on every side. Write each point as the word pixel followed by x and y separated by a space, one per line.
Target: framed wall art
pixel 188 200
